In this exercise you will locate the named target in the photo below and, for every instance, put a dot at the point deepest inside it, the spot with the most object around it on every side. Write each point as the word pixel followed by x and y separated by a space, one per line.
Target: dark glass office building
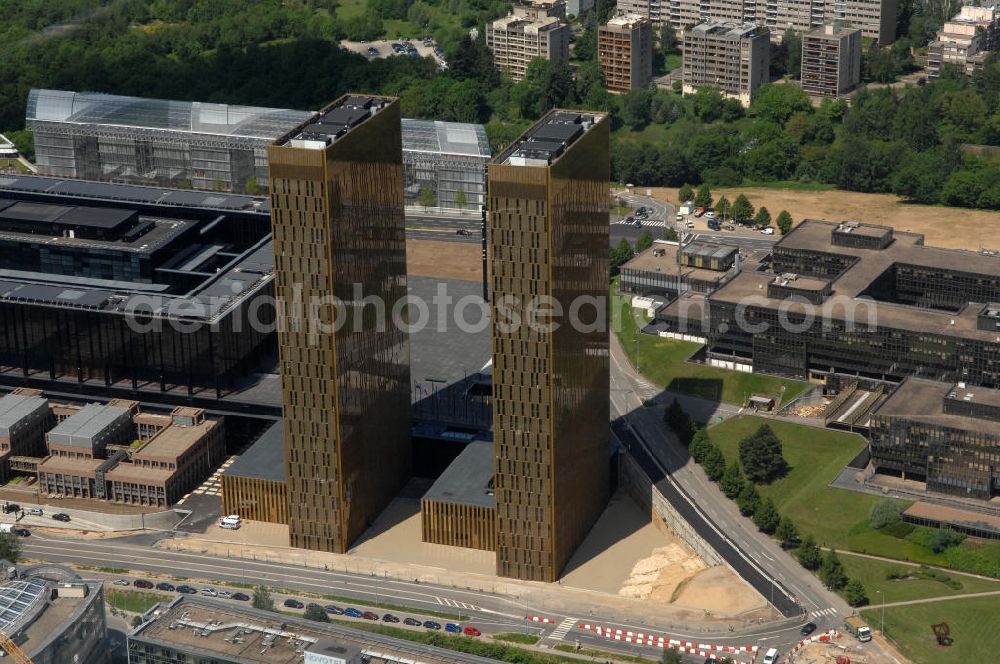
pixel 548 238
pixel 337 214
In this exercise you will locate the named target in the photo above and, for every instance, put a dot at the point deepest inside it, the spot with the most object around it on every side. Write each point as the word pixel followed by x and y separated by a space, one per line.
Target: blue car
pixel 430 624
pixel 453 628
pixel 353 613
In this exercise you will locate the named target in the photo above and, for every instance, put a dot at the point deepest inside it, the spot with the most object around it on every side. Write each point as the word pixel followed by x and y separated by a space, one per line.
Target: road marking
pixel 655 223
pixel 560 632
pixel 825 612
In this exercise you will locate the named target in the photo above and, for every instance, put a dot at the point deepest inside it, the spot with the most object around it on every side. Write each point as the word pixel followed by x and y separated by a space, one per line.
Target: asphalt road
pixel 419 227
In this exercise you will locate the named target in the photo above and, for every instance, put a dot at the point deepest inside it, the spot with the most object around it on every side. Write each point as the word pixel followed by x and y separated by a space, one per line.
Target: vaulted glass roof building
pixel 112 138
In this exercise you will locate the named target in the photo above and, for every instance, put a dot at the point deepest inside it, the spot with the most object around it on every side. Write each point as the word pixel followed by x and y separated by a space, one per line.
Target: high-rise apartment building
pixel 625 52
pixel 548 230
pixel 831 60
pixel 533 29
pixel 876 18
pixel 733 58
pixel 965 40
pixel 337 215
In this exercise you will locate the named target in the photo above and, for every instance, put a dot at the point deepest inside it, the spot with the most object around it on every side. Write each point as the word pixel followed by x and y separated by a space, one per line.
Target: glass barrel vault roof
pixel 454 138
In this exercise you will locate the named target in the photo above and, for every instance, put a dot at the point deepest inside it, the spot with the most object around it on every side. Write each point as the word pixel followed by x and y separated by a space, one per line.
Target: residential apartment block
pixel 965 40
pixel 533 29
pixel 337 216
pixel 831 60
pixel 875 18
pixel 548 239
pixel 625 52
pixel 731 57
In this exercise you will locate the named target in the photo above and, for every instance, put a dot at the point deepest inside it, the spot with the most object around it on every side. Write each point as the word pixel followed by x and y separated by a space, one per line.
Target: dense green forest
pixel 286 54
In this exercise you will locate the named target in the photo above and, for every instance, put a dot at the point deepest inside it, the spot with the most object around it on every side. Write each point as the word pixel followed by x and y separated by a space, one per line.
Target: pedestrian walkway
pixel 213 485
pixel 455 604
pixel 654 223
pixel 824 612
pixel 560 632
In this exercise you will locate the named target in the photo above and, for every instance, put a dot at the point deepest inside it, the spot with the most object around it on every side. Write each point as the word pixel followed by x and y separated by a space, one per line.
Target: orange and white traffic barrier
pixel 539 619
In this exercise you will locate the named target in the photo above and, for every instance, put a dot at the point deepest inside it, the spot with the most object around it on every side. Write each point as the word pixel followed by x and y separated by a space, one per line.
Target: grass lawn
pixel 18 166
pixel 134 601
pixel 662 361
pixel 791 185
pixel 972 623
pixel 347 9
pixel 872 574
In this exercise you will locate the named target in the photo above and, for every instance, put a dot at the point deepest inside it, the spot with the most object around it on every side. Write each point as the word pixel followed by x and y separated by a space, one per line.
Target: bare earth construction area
pixel 955 228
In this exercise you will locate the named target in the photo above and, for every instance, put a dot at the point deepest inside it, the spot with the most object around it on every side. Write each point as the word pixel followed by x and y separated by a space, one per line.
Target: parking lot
pixel 403 47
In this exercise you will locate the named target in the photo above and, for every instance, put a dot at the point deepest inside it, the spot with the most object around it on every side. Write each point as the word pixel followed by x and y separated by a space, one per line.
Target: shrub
pixel 976 562
pixel 899 530
pixel 885 512
pixel 936 539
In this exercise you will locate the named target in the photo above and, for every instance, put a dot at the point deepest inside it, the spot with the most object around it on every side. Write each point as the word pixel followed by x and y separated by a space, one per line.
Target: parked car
pixel 463 231
pixel 730 227
pixel 241 597
pixel 389 618
pixel 771 656
pixel 165 587
pixel 35 511
pixel 224 594
pixel 209 592
pixel 121 582
pixel 679 217
pixel 368 615
pixel 293 603
pixel 22 532
pixel 630 219
pixel 689 224
pixel 430 624
pixel 10 508
pixel 143 583
pixel 412 622
pixel 352 613
pixel 333 609
pixel 452 628
pixel 186 590
pixel 59 516
pixel 471 631
pixel 767 231
pixel 808 629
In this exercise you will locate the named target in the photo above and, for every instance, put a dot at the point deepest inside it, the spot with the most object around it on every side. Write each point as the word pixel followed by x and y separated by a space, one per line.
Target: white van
pixel 771 656
pixel 231 522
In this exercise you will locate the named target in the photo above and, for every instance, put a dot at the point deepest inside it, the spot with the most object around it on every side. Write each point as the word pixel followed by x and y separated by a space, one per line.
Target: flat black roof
pixel 548 138
pixel 467 480
pixel 340 117
pixel 265 459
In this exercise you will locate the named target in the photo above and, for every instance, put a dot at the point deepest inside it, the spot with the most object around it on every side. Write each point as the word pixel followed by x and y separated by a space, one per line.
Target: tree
pixel 252 187
pixel 671 656
pixel 699 445
pixel 620 254
pixel 219 185
pixel 763 218
pixel 10 547
pixel 679 422
pixel 784 222
pixel 787 533
pixel 855 593
pixel 644 242
pixel 742 210
pixel 732 480
pixel 749 500
pixel 704 197
pixel 885 512
pixel 761 456
pixel 809 554
pixel 722 206
pixel 262 599
pixel 831 571
pixel 715 463
pixel 426 196
pixel 670 235
pixel 776 103
pixel 637 108
pixel 317 613
pixel 792 42
pixel 685 193
pixel 460 199
pixel 766 518
pixel 668 38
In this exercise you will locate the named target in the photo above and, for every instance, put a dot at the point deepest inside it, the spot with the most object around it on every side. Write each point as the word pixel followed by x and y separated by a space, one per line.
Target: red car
pixel 471 631
pixel 368 615
pixel 142 583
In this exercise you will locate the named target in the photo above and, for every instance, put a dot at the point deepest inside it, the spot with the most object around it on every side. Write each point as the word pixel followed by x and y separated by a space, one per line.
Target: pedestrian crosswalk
pixel 213 485
pixel 445 601
pixel 655 223
pixel 560 632
pixel 825 612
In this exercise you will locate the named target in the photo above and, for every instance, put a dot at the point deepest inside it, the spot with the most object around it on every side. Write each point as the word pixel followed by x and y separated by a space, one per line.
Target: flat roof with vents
pixel 15 408
pixel 80 429
pixel 549 138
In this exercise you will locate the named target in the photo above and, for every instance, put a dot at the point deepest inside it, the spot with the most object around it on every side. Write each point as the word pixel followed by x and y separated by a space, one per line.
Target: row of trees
pixel 741 210
pixel 761 462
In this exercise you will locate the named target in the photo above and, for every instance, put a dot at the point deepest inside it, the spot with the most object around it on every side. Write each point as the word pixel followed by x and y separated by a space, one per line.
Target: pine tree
pixel 784 222
pixel 732 480
pixel 704 197
pixel 679 422
pixel 831 571
pixel 787 533
pixel 715 463
pixel 742 210
pixel 748 500
pixel 761 456
pixel 855 593
pixel 766 518
pixel 722 206
pixel 809 554
pixel 699 445
pixel 685 193
pixel 763 218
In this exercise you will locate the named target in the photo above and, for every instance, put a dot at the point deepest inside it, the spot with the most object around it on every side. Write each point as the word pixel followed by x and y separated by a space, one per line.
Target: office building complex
pixel 625 52
pixel 672 269
pixel 197 629
pixel 53 616
pixel 198 145
pixel 337 214
pixel 449 160
pixel 548 239
pixel 942 433
pixel 965 40
pixel 460 508
pixel 831 61
pixel 534 29
pixel 875 18
pixel 732 58
pixel 25 416
pixel 254 486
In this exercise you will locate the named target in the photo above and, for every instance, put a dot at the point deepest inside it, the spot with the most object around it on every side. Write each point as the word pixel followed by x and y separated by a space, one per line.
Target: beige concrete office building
pixel 831 60
pixel 533 29
pixel 965 40
pixel 731 57
pixel 625 51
